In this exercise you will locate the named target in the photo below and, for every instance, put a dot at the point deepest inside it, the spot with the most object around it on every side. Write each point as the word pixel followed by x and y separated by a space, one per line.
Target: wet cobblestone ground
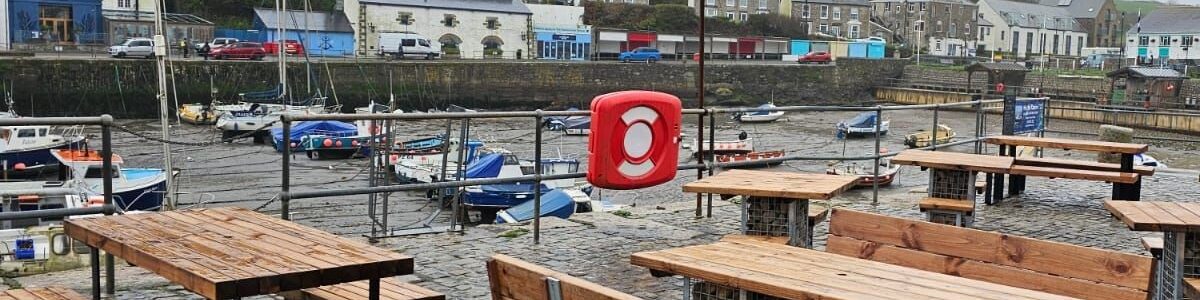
pixel 597 246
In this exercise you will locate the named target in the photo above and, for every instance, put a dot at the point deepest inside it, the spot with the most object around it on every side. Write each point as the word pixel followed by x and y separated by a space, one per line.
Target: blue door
pixel 1164 53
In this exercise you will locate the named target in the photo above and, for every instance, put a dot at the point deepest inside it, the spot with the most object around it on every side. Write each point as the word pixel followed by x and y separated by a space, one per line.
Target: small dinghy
pixel 861 125
pixel 864 170
pixel 555 203
pixel 752 156
pixel 921 138
pixel 302 132
pixel 764 114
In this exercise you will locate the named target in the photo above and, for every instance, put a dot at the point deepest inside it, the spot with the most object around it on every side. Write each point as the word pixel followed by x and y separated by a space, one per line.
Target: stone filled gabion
pixel 1112 133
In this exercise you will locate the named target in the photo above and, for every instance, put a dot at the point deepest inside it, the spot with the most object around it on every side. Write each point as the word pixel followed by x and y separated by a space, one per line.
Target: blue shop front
pixel 563 44
pixel 55 21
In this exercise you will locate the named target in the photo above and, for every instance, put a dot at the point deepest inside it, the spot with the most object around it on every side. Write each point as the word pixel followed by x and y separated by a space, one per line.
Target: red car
pixel 242 50
pixel 292 47
pixel 816 57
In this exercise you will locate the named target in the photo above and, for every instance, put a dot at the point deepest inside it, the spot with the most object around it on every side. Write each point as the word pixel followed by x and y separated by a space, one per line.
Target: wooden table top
pixel 773 184
pixel 1068 144
pixel 1156 216
pixel 799 273
pixel 954 161
pixel 223 253
pixel 42 293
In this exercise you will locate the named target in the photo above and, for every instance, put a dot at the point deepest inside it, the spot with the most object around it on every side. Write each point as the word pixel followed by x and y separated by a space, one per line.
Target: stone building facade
pixel 849 19
pixel 476 28
pixel 1100 18
pixel 738 10
pixel 943 27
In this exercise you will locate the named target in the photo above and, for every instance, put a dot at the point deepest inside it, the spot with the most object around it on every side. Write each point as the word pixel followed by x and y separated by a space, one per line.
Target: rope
pixel 196 144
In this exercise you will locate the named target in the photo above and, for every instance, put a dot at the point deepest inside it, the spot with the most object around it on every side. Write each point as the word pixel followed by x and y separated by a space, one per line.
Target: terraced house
pixel 847 19
pixel 471 28
pixel 738 10
pixel 1032 30
pixel 1100 18
pixel 1167 34
pixel 939 27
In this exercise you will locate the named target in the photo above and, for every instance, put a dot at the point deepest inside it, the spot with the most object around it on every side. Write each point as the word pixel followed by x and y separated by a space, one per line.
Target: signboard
pixel 564 37
pixel 1025 115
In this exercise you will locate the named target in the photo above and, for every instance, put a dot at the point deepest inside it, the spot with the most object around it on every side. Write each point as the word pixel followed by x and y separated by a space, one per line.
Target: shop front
pixel 560 44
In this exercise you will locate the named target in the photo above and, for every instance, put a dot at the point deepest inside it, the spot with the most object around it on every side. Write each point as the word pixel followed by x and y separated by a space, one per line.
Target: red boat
pixel 752 156
pixel 887 172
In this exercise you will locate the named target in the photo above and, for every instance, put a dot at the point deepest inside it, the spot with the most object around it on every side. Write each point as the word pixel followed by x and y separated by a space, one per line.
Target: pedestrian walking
pixel 205 50
pixel 184 44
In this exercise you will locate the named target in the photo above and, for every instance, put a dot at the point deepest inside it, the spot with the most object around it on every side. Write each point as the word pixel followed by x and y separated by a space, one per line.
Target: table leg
pixel 110 278
pixel 687 288
pixel 1124 191
pixel 94 255
pixel 987 191
pixel 997 182
pixel 373 289
pixel 777 217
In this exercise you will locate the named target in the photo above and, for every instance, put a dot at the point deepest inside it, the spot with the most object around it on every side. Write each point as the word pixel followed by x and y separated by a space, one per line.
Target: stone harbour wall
pixel 126 88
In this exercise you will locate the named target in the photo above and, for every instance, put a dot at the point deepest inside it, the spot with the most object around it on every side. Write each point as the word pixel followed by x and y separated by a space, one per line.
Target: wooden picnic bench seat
pixel 389 288
pixel 1113 177
pixel 955 212
pixel 1153 244
pixel 41 293
pixel 1191 287
pixel 1068 144
pixel 931 203
pixel 1079 165
pixel 514 279
pixel 1052 267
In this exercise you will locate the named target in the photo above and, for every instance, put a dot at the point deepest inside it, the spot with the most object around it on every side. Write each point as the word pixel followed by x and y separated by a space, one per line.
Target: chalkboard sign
pixel 1024 115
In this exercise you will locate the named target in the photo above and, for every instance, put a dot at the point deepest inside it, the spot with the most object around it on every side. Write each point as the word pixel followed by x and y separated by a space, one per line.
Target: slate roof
pixel 1146 72
pixel 1178 19
pixel 1031 15
pixel 1081 9
pixel 505 6
pixel 294 20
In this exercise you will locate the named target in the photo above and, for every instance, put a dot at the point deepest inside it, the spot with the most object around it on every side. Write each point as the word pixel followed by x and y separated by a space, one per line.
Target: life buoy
pixel 634 139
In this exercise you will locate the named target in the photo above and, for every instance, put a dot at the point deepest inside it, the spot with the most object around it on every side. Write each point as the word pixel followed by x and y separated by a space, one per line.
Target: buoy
pixel 95 201
pixel 328 143
pixel 19 167
pixel 294 145
pixel 339 144
pixel 354 143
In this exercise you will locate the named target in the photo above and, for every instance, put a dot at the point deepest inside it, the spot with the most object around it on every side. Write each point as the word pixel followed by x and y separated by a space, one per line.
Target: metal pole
pixel 712 140
pixel 94 258
pixel 700 95
pixel 285 181
pixel 979 124
pixel 164 119
pixel 933 138
pixel 537 183
pixel 110 280
pixel 875 179
pixel 462 158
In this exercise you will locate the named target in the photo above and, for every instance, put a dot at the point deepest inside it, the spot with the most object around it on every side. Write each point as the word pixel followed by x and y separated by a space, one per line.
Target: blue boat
pixel 309 130
pixel 862 125
pixel 501 196
pixel 555 203
pixel 133 188
pixel 26 149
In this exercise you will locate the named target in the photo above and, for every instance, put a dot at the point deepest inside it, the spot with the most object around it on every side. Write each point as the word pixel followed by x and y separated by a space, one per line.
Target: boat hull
pixel 35 161
pixel 141 197
pixel 752 156
pixel 867 180
pixel 767 118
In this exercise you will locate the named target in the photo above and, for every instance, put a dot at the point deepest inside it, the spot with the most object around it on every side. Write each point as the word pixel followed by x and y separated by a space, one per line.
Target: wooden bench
pixel 948 211
pixel 1052 267
pixel 1113 177
pixel 389 288
pixel 41 293
pixel 1079 165
pixel 1191 287
pixel 1154 245
pixel 514 279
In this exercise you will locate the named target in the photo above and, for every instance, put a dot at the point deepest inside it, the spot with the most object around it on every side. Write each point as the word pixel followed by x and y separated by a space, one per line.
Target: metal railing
pixel 705 163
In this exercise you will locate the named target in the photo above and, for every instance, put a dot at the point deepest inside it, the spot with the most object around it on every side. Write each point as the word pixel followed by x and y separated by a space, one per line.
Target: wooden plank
pixel 773 184
pixel 512 278
pixel 709 271
pixel 978 270
pixel 761 238
pixel 1149 216
pixel 154 230
pixel 931 203
pixel 65 293
pixel 1192 285
pixel 1154 245
pixel 1068 144
pixel 1079 164
pixel 954 161
pixel 1115 177
pixel 1122 269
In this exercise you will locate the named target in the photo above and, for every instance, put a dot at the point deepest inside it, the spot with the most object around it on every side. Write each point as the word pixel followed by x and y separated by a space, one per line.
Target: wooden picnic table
pixel 776 203
pixel 223 253
pixel 1179 222
pixel 1121 190
pixel 787 272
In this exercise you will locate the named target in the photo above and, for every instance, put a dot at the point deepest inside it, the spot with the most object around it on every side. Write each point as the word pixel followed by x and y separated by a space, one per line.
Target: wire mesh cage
pixel 777 217
pixel 950 218
pixel 952 184
pixel 700 290
pixel 1168 285
pixel 1191 256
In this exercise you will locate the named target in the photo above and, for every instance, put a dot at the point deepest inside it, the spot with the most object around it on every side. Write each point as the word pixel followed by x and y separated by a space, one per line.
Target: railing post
pixel 712 135
pixel 109 269
pixel 933 137
pixel 875 178
pixel 537 182
pixel 285 181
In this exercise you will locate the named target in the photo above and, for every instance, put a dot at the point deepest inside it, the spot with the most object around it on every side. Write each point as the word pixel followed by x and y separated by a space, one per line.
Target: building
pixel 738 10
pixel 610 42
pixel 560 32
pixel 942 27
pixel 1029 30
pixel 321 33
pixel 464 28
pixel 125 19
pixel 1100 18
pixel 5 43
pixel 1165 34
pixel 849 19
pixel 57 22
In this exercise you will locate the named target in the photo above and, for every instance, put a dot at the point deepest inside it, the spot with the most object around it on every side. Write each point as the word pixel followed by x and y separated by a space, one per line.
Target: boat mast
pixel 281 7
pixel 160 57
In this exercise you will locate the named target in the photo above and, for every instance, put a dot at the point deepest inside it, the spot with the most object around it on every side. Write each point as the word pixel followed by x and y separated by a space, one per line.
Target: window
pixel 408 42
pixel 745 17
pixel 1042 44
pixel 911 6
pixel 1054 46
pixel 854 13
pixel 26 133
pixel 1143 41
pixel 710 2
pixel 953 30
pixel 730 15
pixel 744 3
pixel 824 28
pixel 730 3
pixel 1016 42
pixel 1068 40
pixel 919 26
pixel 1079 46
pixel 1186 41
pixel 1164 41
pixel 125 3
pixel 835 30
pixel 887 6
pixel 837 13
pixel 449 20
pixel 492 23
pixel 805 11
pixel 947 9
pixel 762 5
pixel 824 11
pixel 853 32
pixel 1001 35
pixel 922 6
pixel 938 27
pixel 1029 42
pixel 405 18
pixel 710 12
pixel 938 46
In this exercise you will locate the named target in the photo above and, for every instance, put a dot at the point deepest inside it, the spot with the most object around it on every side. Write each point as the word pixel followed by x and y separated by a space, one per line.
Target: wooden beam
pixel 511 278
pixel 1115 177
pixel 1079 164
pixel 1068 144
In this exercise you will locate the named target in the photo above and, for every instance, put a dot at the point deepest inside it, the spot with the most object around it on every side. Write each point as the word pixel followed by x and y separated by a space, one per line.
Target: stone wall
pixel 1064 87
pixel 126 88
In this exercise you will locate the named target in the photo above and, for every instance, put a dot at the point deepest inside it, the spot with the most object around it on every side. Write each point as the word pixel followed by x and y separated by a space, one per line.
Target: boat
pixel 743 145
pixel 764 114
pixel 1143 159
pixel 887 172
pixel 555 203
pixel 304 133
pixel 571 125
pixel 425 165
pixel 459 109
pixel 752 156
pixel 197 114
pixel 26 150
pixel 257 117
pixel 861 125
pixel 133 188
pixel 921 139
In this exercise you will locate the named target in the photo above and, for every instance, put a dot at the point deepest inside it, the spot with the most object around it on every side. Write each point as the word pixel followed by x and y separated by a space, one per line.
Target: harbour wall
pixel 127 88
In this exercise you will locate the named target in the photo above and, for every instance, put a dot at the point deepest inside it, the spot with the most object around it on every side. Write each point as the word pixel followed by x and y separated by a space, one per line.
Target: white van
pixel 406 44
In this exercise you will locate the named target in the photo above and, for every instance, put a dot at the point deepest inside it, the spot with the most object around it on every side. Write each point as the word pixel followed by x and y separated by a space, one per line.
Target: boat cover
pixel 763 110
pixel 866 119
pixel 577 123
pixel 556 203
pixel 509 188
pixel 487 166
pixel 328 128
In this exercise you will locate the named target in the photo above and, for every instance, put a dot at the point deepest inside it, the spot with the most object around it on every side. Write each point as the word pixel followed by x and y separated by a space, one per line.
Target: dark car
pixel 820 57
pixel 646 54
pixel 242 50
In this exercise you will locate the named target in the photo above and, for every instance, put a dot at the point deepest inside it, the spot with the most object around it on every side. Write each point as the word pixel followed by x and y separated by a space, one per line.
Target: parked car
pixel 646 54
pixel 292 47
pixel 820 57
pixel 406 44
pixel 216 43
pixel 241 50
pixel 137 47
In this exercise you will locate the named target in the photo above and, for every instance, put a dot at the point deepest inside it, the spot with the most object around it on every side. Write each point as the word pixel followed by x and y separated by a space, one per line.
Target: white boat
pixel 1146 160
pixel 865 170
pixel 764 114
pixel 257 116
pixel 721 147
pixel 862 125
pixel 133 188
pixel 26 149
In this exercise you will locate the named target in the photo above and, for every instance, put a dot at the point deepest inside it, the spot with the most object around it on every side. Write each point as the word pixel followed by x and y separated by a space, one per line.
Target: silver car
pixel 134 47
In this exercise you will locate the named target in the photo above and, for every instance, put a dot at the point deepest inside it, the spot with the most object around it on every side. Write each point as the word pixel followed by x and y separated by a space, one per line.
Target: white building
pixel 1031 30
pixel 4 40
pixel 560 32
pixel 1166 33
pixel 473 28
pixel 146 6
